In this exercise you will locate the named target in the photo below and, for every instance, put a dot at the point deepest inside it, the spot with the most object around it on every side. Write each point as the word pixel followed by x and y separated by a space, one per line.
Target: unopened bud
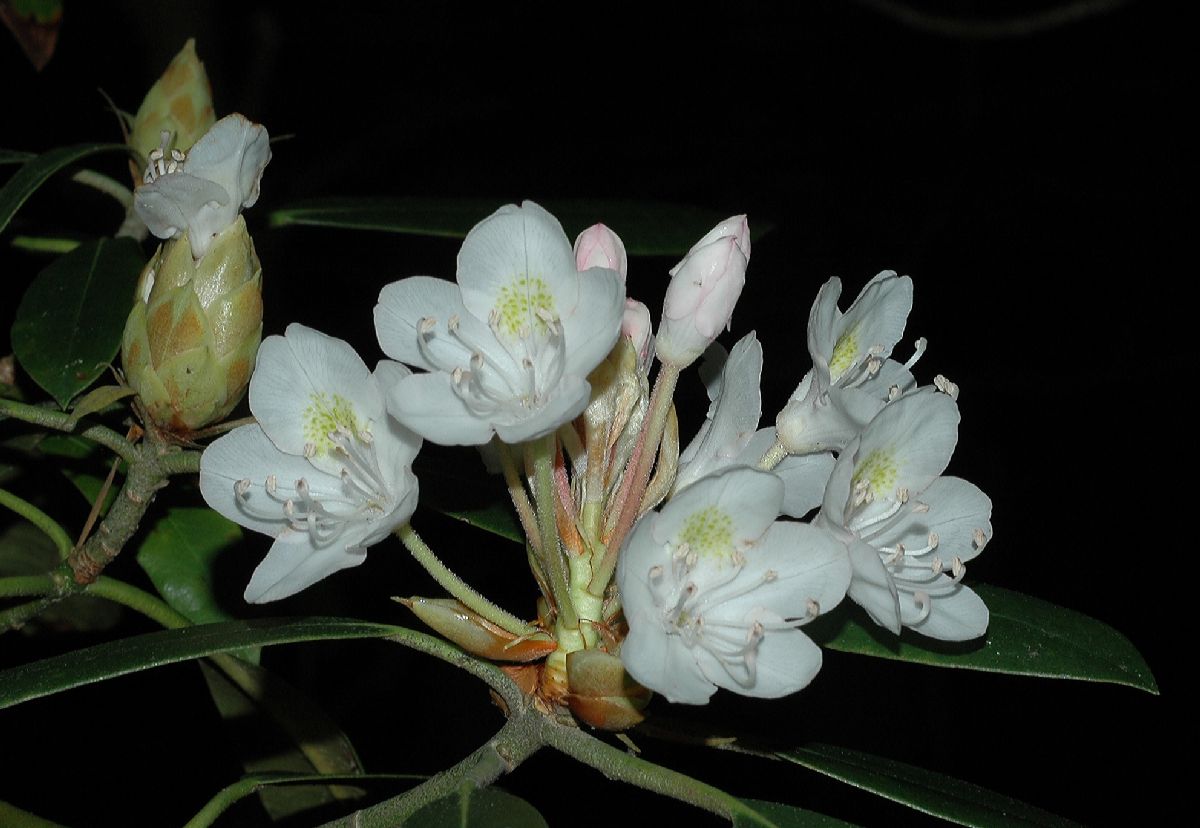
pixel 704 288
pixel 179 102
pixel 193 334
pixel 598 246
pixel 637 328
pixel 476 634
pixel 601 693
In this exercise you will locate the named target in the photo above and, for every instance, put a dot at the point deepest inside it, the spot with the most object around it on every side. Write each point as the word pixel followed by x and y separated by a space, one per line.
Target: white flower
pixel 509 349
pixel 730 435
pixel 905 525
pixel 325 471
pixel 852 377
pixel 714 589
pixel 202 192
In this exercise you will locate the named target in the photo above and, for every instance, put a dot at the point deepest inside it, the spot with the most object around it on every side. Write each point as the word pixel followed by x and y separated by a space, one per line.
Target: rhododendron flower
pixel 508 350
pixel 715 589
pixel 325 471
pixel 852 376
pixel 909 530
pixel 202 192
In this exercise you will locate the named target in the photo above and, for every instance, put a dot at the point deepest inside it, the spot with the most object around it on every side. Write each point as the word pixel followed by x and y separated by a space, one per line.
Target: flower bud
pixel 704 288
pixel 193 334
pixel 179 102
pixel 602 693
pixel 476 634
pixel 598 246
pixel 637 328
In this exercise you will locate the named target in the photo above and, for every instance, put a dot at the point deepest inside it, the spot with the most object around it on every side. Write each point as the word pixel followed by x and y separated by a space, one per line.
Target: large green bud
pixel 193 334
pixel 180 102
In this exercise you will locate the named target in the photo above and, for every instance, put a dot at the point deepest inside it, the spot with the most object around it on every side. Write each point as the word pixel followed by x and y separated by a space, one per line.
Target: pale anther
pixel 241 487
pixel 978 538
pixel 814 608
pixel 947 387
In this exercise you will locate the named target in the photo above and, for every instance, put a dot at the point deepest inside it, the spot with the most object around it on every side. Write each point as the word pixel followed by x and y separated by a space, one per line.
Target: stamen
pixel 241 487
pixel 978 538
pixel 946 386
pixel 957 568
pixel 272 483
pixel 918 352
pixel 921 599
pixel 813 608
pixel 938 565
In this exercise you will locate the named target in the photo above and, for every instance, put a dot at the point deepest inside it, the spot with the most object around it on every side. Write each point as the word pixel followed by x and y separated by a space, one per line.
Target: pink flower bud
pixel 636 326
pixel 704 288
pixel 598 246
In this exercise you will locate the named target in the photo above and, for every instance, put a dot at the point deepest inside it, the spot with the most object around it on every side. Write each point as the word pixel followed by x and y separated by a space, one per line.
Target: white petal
pixel 808 565
pixel 804 481
pixel 294 563
pixel 871 587
pixel 303 382
pixel 565 403
pixel 591 328
pixel 750 499
pixel 233 153
pixel 174 203
pixel 914 438
pixel 402 305
pixel 960 615
pixel 733 417
pixel 428 404
pixel 956 510
pixel 662 663
pixel 786 661
pixel 246 454
pixel 876 318
pixel 512 243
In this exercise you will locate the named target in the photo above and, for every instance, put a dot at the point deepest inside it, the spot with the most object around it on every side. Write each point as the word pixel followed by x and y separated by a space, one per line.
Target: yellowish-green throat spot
pixel 844 352
pixel 325 414
pixel 879 470
pixel 709 532
pixel 518 304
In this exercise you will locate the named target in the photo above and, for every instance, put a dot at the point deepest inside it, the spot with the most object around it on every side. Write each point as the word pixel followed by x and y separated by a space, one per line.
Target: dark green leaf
pixel 8 156
pixel 1026 636
pixel 475 807
pixel 14 817
pixel 931 793
pixel 37 170
pixel 68 326
pixel 100 398
pixel 648 228
pixel 178 555
pixel 117 658
pixel 762 814
pixel 65 445
pixel 279 729
pixel 265 781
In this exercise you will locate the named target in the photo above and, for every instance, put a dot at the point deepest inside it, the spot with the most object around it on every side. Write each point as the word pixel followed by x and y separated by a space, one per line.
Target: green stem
pixel 23 586
pixel 106 185
pixel 515 742
pixel 58 584
pixel 58 421
pixel 625 767
pixel 138 600
pixel 455 585
pixel 50 527
pixel 542 452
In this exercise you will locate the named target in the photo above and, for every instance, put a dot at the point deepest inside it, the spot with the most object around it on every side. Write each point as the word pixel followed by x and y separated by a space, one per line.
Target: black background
pixel 1026 180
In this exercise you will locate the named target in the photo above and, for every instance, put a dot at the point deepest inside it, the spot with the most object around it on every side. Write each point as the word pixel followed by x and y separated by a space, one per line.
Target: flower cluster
pixel 680 571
